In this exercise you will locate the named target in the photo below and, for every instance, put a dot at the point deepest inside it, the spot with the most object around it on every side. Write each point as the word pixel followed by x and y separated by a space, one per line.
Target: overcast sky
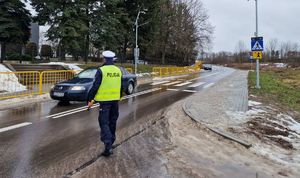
pixel 234 20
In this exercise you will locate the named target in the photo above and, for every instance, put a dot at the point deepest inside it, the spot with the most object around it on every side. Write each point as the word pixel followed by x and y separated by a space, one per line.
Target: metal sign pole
pixel 257 60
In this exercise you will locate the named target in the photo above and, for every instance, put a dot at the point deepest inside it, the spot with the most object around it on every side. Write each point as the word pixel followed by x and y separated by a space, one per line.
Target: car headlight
pixel 78 88
pixel 52 87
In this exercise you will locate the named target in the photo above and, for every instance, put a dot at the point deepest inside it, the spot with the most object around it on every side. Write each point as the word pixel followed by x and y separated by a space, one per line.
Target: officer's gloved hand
pixel 90 104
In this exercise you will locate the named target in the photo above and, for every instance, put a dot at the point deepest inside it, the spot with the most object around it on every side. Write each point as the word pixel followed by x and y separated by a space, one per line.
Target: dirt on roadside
pixel 176 146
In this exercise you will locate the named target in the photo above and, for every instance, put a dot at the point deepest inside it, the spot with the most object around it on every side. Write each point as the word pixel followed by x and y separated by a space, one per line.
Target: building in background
pixel 35 34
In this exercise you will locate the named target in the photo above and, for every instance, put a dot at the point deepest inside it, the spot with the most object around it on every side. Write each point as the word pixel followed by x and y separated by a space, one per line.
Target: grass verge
pixel 281 87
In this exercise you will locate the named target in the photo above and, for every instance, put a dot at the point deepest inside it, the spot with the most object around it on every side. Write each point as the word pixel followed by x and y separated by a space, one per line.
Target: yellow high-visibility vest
pixel 110 88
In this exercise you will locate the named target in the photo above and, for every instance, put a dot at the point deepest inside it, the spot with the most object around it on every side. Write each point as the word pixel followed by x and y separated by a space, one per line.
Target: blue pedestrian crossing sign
pixel 257 44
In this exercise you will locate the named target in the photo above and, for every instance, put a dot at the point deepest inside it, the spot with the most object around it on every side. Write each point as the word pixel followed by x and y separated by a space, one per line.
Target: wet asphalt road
pixel 58 139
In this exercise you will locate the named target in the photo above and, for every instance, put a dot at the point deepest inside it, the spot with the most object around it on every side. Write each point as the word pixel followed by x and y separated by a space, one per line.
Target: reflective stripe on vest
pixel 110 88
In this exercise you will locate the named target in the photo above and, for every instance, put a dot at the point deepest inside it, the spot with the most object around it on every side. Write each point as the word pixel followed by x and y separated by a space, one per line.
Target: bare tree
pixel 272 48
pixel 295 47
pixel 285 47
pixel 240 47
pixel 200 18
pixel 241 51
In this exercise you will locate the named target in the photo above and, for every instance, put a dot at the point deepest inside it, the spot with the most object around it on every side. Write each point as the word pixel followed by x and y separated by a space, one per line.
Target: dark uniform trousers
pixel 108 116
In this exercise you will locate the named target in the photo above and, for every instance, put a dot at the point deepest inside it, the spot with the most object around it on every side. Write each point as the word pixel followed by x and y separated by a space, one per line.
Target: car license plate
pixel 58 94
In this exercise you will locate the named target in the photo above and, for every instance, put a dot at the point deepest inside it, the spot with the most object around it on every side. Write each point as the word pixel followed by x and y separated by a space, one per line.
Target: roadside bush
pixel 46 51
pixel 13 56
pixel 31 49
pixel 26 57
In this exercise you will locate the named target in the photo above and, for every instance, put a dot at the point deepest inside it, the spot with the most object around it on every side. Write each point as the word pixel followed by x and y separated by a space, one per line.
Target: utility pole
pixel 256 35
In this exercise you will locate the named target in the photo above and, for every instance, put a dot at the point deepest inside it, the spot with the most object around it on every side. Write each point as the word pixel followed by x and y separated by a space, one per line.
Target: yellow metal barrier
pixel 17 84
pixel 156 71
pixel 172 71
pixel 49 78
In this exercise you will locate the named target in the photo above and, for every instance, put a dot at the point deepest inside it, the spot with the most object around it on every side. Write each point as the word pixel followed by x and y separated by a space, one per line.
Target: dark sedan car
pixel 77 88
pixel 207 67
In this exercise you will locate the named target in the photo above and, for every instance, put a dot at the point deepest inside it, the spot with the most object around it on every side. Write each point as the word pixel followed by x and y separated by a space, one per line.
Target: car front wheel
pixel 130 89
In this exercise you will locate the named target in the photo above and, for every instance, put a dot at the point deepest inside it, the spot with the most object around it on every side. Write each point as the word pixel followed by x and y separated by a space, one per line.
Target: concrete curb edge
pixel 219 132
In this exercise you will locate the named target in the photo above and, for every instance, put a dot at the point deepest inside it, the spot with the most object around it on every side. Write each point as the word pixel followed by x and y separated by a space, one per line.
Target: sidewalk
pixel 211 106
pixel 265 130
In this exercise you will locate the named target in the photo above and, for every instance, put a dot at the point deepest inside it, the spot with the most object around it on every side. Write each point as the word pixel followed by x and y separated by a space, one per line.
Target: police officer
pixel 107 91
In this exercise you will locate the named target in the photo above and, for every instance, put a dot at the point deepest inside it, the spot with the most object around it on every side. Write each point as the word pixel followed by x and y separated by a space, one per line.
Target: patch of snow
pixel 280 65
pixel 264 64
pixel 143 75
pixel 275 153
pixel 71 66
pixel 253 103
pixel 244 116
pixel 278 155
pixel 4 69
pixel 291 123
pixel 9 82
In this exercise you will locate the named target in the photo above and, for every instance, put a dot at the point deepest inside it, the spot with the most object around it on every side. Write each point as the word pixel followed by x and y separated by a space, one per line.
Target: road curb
pixel 217 131
pixel 23 101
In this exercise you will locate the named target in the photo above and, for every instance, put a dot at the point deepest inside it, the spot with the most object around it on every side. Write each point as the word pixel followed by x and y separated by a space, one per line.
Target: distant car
pixel 78 88
pixel 207 67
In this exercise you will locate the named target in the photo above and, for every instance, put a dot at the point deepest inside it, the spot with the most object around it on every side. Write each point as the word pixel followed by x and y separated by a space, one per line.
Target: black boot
pixel 107 151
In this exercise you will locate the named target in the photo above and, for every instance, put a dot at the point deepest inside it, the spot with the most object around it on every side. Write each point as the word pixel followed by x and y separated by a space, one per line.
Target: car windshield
pixel 89 73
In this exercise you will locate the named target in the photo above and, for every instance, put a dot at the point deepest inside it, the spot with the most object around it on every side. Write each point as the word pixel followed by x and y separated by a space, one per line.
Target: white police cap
pixel 108 54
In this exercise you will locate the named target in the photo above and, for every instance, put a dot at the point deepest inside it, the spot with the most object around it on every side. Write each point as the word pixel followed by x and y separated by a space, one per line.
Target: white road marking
pixel 197 84
pixel 204 76
pixel 84 108
pixel 209 85
pixel 14 126
pixel 172 83
pixel 170 89
pixel 190 91
pixel 158 83
pixel 141 93
pixel 183 84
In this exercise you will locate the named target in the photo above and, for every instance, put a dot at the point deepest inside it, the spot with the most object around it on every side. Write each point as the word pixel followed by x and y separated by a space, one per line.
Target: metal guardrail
pixel 19 84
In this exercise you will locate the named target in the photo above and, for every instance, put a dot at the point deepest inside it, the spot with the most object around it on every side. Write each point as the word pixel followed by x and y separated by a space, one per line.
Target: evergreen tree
pixel 68 20
pixel 15 24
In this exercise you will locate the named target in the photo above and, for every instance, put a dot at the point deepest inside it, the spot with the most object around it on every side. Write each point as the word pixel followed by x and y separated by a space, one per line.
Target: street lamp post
pixel 136 58
pixel 136 49
pixel 256 35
